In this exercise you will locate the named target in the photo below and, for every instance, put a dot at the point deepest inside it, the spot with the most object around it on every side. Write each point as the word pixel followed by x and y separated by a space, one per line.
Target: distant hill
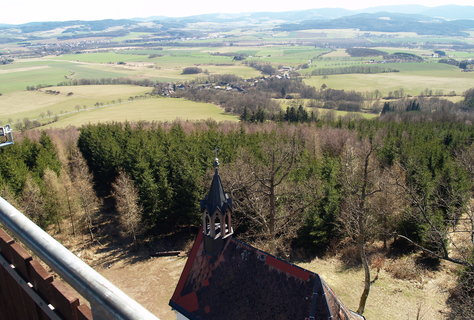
pixel 323 13
pixel 388 22
pixel 444 20
pixel 446 12
pixel 451 12
pixel 406 9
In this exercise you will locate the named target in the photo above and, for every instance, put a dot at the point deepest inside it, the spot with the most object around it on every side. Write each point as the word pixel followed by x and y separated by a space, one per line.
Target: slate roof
pixel 243 282
pixel 216 198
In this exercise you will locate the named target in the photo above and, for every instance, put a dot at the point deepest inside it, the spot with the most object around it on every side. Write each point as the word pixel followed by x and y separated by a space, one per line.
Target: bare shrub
pixel 461 300
pixel 404 269
pixel 349 256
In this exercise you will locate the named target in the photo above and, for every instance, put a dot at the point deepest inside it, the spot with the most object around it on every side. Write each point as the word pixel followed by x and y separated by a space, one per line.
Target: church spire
pixel 217 209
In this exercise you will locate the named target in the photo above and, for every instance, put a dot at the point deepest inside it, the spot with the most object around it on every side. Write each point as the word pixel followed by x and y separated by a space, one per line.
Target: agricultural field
pixel 42 106
pixel 214 55
pixel 77 105
pixel 53 70
pixel 413 78
pixel 151 109
pixel 17 76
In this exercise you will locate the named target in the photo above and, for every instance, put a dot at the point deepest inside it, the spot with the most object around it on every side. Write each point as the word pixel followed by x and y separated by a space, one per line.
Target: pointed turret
pixel 217 210
pixel 216 198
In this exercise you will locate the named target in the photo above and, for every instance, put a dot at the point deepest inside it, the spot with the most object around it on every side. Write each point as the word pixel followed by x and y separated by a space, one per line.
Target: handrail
pixel 107 301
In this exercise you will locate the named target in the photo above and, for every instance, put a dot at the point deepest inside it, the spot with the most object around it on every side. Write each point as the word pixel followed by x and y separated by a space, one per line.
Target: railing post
pixel 107 301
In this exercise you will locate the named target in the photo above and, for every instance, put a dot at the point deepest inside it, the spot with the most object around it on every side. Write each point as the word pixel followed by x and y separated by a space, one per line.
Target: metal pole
pixel 107 301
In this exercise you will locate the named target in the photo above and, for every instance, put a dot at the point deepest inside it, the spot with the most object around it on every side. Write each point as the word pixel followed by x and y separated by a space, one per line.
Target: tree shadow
pixel 113 247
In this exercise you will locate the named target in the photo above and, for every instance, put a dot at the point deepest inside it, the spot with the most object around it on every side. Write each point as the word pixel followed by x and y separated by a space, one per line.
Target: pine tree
pixel 244 116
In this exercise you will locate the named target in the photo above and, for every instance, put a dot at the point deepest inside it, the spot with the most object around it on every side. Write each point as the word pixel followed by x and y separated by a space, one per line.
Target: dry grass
pixel 389 298
pixel 32 104
pixel 337 54
pixel 152 109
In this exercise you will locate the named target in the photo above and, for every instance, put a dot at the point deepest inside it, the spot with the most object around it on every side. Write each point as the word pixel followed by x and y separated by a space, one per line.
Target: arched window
pixel 228 223
pixel 207 225
pixel 218 225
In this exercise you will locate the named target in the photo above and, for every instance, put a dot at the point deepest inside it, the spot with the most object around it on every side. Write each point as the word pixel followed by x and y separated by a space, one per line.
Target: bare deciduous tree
pixel 54 198
pixel 128 208
pixel 70 196
pixel 32 201
pixel 266 194
pixel 363 182
pixel 85 194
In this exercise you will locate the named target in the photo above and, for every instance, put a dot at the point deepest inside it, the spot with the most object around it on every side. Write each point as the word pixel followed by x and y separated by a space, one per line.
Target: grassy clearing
pixel 131 36
pixel 172 73
pixel 327 33
pixel 238 70
pixel 389 298
pixel 32 104
pixel 341 113
pixel 287 55
pixel 460 54
pixel 153 109
pixel 183 59
pixel 338 113
pixel 337 54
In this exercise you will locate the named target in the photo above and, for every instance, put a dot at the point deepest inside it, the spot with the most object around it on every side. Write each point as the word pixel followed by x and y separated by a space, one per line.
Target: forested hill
pixel 422 20
pixel 388 22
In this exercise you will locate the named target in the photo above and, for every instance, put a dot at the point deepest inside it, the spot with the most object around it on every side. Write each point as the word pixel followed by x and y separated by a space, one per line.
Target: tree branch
pixel 443 257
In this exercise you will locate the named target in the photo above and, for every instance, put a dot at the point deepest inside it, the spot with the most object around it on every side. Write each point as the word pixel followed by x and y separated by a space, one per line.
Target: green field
pixel 53 70
pixel 166 64
pixel 19 75
pixel 153 109
pixel 287 55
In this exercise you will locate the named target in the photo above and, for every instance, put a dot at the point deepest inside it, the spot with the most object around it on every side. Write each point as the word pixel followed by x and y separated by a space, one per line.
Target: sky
pixel 22 11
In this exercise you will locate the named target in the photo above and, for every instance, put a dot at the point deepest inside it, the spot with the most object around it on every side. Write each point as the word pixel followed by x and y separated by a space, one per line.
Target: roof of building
pixel 242 282
pixel 216 198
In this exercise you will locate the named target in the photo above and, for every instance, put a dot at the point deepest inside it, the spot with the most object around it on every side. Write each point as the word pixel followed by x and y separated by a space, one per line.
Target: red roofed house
pixel 225 278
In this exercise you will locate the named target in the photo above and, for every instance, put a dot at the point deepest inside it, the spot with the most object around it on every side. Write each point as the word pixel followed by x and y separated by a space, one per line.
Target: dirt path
pixel 22 69
pixel 150 282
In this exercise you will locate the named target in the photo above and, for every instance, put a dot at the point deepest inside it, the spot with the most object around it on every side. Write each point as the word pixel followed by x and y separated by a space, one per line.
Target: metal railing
pixel 106 300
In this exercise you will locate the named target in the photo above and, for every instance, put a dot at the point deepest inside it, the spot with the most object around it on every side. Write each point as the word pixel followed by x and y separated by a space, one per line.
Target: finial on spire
pixel 216 159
